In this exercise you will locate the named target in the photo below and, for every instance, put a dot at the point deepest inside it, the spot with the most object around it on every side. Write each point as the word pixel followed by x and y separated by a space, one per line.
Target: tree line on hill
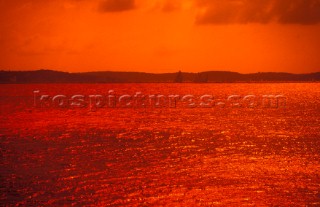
pixel 50 76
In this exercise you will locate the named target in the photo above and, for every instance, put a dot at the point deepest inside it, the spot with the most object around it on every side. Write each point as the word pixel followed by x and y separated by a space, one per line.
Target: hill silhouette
pixel 51 76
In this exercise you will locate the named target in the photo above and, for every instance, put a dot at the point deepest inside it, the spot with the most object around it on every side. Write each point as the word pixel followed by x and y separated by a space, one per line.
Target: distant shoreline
pixel 56 77
pixel 124 83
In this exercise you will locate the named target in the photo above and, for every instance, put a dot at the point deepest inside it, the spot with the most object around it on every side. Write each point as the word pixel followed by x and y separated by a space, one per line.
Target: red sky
pixel 160 35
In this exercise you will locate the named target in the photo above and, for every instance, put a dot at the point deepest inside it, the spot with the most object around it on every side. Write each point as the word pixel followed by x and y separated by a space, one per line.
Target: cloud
pixel 171 5
pixel 116 5
pixel 258 11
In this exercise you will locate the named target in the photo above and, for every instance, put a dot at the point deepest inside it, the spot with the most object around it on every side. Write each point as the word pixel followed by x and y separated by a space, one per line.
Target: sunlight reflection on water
pixel 188 157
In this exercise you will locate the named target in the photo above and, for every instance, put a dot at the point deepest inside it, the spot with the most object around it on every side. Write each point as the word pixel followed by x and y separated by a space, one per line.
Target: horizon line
pixel 124 71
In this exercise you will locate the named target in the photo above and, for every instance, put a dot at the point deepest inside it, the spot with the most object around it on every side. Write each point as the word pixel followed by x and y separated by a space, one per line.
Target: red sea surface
pixel 219 156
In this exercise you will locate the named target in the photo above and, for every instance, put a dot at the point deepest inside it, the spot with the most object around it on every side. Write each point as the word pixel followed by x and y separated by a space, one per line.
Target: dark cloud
pixel 171 5
pixel 258 11
pixel 116 5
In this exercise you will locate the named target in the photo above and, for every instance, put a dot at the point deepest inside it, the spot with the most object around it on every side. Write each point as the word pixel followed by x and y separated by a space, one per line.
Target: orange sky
pixel 161 35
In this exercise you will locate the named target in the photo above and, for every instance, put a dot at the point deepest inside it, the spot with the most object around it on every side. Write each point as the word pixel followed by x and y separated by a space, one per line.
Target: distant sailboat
pixel 201 78
pixel 179 77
